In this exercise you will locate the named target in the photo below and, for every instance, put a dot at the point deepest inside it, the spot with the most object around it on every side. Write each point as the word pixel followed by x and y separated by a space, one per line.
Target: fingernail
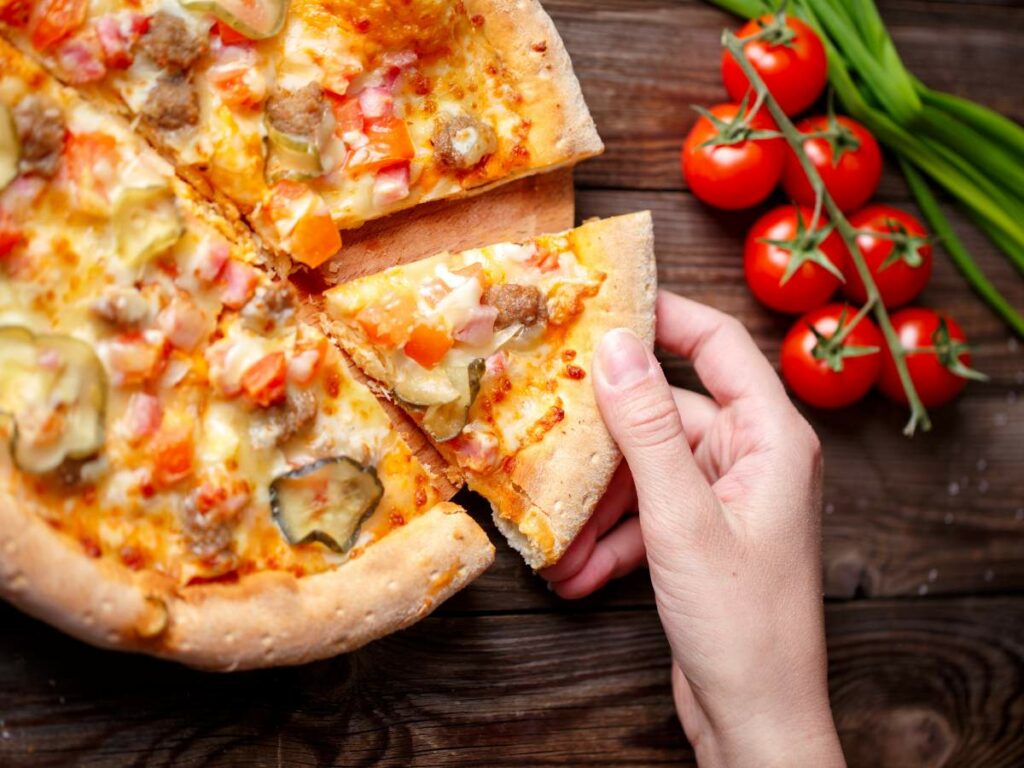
pixel 623 358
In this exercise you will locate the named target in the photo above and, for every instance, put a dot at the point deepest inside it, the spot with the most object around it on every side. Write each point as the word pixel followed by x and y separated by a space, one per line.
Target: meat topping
pixel 170 43
pixel 297 113
pixel 172 103
pixel 279 423
pixel 40 126
pixel 121 306
pixel 516 304
pixel 269 305
pixel 462 142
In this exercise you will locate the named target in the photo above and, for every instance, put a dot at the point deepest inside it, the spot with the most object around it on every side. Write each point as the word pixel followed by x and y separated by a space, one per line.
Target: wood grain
pixel 914 685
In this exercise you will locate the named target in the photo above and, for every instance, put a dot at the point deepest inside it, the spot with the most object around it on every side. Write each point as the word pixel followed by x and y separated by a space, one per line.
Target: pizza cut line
pixel 311 116
pixel 190 465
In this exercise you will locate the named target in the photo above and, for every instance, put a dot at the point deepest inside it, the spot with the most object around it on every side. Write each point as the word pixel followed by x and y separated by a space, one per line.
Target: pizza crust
pixel 267 619
pixel 557 482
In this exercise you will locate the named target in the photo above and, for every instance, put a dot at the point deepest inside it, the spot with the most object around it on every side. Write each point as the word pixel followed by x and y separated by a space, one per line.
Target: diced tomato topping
pixel 389 144
pixel 228 35
pixel 16 13
pixel 315 239
pixel 237 77
pixel 10 234
pixel 264 381
pixel 172 457
pixel 389 321
pixel 239 283
pixel 427 345
pixel 53 20
pixel 348 115
pixel 82 58
pixel 118 33
pixel 89 163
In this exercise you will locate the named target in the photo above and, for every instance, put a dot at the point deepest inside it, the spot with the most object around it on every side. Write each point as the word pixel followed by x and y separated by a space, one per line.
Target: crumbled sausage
pixel 170 43
pixel 462 142
pixel 269 305
pixel 298 113
pixel 516 304
pixel 122 306
pixel 279 423
pixel 172 103
pixel 40 127
pixel 210 516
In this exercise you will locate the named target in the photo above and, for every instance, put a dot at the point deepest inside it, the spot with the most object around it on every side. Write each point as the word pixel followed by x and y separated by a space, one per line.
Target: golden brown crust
pixel 265 619
pixel 557 482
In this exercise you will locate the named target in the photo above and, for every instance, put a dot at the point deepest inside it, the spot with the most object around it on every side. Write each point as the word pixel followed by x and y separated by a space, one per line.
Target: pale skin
pixel 720 496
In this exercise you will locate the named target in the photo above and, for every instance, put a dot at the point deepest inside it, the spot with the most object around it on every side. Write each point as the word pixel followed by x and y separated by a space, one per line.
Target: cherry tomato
pixel 826 375
pixel 738 173
pixel 790 59
pixel 766 263
pixel 852 180
pixel 900 268
pixel 935 383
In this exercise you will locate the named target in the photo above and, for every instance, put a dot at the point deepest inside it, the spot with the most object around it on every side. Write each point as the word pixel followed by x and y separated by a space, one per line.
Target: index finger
pixel 723 353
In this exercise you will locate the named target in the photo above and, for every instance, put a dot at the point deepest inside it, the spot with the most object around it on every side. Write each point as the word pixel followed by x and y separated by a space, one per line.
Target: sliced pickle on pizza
pixel 53 389
pixel 146 222
pixel 254 19
pixel 326 501
pixel 489 351
pixel 10 148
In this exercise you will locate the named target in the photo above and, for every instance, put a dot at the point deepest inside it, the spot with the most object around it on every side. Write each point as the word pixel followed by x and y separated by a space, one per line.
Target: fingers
pixel 619 499
pixel 640 411
pixel 724 355
pixel 617 554
pixel 697 411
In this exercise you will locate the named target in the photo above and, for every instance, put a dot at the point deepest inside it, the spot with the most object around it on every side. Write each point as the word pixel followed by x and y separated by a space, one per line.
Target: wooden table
pixel 924 539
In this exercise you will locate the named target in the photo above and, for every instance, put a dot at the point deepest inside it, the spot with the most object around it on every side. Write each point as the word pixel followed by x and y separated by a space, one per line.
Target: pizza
pixel 314 116
pixel 190 468
pixel 489 352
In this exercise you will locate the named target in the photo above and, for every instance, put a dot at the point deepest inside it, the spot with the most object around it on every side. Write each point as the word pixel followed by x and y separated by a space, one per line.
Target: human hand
pixel 728 492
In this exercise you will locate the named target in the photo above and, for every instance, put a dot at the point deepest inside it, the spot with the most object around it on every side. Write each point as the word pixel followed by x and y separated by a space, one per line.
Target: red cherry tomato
pixel 791 61
pixel 766 263
pixel 934 382
pixel 831 377
pixel 852 180
pixel 732 175
pixel 900 268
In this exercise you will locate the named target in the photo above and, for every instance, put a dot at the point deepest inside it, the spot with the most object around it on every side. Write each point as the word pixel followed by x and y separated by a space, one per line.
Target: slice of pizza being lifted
pixel 187 468
pixel 312 116
pixel 489 351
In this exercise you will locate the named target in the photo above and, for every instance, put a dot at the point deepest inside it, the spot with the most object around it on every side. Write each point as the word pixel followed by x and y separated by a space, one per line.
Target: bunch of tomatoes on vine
pixel 795 260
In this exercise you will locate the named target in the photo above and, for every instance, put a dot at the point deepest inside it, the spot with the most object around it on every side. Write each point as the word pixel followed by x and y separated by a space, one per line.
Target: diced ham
pixel 239 283
pixel 237 76
pixel 376 102
pixel 118 33
pixel 212 262
pixel 401 59
pixel 479 327
pixel 81 58
pixel 302 367
pixel 134 358
pixel 184 324
pixel 141 418
pixel 476 449
pixel 22 193
pixel 391 185
pixel 497 363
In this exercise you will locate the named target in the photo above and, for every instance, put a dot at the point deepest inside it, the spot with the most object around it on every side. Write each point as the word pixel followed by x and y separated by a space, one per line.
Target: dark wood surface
pixel 924 539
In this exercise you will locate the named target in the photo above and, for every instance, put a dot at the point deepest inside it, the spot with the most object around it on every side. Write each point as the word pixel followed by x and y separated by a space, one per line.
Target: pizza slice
pixel 489 351
pixel 317 115
pixel 187 467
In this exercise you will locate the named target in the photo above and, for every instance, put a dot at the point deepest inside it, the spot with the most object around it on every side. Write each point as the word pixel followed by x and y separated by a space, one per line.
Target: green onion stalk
pixel 975 154
pixel 918 413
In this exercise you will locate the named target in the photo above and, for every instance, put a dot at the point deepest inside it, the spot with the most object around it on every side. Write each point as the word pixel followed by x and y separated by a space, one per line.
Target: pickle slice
pixel 295 158
pixel 10 148
pixel 146 222
pixel 256 19
pixel 326 501
pixel 53 389
pixel 445 421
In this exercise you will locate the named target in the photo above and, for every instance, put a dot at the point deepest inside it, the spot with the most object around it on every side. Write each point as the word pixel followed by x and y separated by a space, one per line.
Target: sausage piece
pixel 172 103
pixel 269 305
pixel 462 142
pixel 279 423
pixel 298 113
pixel 170 43
pixel 516 304
pixel 40 127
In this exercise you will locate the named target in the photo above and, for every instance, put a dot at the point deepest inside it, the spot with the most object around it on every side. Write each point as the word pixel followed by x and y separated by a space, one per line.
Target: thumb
pixel 641 415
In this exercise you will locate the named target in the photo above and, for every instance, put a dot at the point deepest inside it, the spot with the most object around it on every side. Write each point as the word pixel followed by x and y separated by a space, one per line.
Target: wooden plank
pixel 642 63
pixel 928 683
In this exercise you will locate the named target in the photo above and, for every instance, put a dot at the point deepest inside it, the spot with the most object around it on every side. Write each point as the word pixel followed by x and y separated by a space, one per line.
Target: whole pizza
pixel 201 461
